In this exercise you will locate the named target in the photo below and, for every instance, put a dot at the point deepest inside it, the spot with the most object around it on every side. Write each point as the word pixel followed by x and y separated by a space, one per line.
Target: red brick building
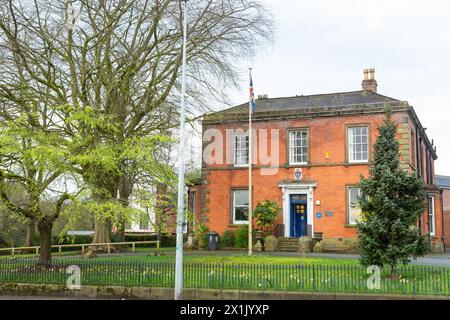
pixel 443 182
pixel 319 147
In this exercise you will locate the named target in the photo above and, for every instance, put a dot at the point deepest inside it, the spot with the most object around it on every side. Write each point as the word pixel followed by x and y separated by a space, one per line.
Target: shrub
pixel 265 213
pixel 228 239
pixel 242 237
pixel 201 234
pixel 74 239
pixel 168 240
pixel 3 243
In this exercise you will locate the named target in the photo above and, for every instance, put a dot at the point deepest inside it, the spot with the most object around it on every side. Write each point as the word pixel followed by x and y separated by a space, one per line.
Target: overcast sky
pixel 322 46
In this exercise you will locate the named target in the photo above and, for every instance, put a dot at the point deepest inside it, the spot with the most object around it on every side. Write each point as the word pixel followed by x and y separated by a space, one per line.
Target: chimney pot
pixel 372 74
pixel 369 83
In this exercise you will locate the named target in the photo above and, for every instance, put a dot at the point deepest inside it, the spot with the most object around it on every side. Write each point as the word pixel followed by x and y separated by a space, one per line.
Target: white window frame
pixel 350 144
pixel 431 216
pixel 234 206
pixel 292 147
pixel 242 137
pixel 349 202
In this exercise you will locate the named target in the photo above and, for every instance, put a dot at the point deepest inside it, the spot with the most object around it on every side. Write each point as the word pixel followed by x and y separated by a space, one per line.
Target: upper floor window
pixel 429 168
pixel 431 216
pixel 354 210
pixel 298 146
pixel 358 144
pixel 240 207
pixel 241 146
pixel 413 149
pixel 420 158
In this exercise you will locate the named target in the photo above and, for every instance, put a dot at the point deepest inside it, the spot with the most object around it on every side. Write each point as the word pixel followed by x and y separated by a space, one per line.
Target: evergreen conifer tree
pixel 392 203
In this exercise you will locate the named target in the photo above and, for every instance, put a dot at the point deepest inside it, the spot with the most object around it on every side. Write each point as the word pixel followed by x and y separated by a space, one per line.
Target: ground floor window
pixel 431 216
pixel 354 210
pixel 240 206
pixel 144 220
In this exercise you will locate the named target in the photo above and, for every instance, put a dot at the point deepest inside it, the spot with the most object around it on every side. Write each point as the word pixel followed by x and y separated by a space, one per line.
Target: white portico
pixel 304 189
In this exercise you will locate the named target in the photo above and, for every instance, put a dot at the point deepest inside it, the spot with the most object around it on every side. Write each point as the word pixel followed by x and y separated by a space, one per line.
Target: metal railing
pixel 14 250
pixel 412 280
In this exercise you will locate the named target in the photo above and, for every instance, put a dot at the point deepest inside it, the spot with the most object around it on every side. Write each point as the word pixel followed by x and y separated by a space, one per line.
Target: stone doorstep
pixel 193 294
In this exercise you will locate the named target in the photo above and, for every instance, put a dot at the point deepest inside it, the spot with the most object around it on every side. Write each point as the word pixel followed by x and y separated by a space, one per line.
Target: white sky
pixel 322 46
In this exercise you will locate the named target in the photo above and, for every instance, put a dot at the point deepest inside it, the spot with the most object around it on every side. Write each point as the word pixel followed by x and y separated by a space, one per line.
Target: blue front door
pixel 298 215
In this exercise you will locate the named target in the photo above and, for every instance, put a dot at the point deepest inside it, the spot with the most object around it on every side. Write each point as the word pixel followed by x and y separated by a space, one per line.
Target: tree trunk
pixel 45 228
pixel 29 241
pixel 394 275
pixel 125 188
pixel 161 204
pixel 102 231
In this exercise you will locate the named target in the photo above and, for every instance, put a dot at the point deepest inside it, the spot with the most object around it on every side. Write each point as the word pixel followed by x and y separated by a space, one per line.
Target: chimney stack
pixel 369 83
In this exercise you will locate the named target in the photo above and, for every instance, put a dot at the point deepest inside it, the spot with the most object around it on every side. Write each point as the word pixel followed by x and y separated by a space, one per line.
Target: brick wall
pixel 446 208
pixel 327 166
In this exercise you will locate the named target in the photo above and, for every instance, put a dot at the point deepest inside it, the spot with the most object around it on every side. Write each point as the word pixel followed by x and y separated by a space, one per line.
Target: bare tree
pixel 119 61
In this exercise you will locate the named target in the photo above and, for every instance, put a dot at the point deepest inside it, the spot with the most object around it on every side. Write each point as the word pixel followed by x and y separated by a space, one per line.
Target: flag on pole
pixel 252 94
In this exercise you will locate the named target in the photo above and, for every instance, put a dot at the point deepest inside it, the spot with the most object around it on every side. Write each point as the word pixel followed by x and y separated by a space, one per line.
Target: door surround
pixel 287 189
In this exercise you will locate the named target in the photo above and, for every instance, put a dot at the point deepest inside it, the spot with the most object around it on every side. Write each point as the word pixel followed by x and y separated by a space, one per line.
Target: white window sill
pixel 240 222
pixel 298 163
pixel 358 162
pixel 351 225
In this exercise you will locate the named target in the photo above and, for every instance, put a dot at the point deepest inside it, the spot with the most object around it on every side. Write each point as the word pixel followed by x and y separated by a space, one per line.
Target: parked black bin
pixel 213 240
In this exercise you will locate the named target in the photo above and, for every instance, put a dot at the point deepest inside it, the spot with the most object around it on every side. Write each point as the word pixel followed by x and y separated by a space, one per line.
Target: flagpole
pixel 180 210
pixel 250 162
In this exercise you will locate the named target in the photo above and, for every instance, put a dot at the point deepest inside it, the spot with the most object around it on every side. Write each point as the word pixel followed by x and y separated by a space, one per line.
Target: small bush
pixel 228 239
pixel 168 240
pixel 74 239
pixel 201 236
pixel 242 237
pixel 266 213
pixel 3 243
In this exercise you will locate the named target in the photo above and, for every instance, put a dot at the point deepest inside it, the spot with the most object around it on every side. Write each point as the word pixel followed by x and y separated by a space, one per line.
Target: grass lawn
pixel 235 258
pixel 231 271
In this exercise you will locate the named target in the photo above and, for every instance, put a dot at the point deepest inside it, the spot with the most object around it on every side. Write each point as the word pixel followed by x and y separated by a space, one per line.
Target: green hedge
pixel 228 239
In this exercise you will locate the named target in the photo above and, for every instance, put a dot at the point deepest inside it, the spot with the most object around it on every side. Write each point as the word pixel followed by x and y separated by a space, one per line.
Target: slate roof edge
pixel 307 112
pixel 393 100
pixel 444 186
pixel 423 132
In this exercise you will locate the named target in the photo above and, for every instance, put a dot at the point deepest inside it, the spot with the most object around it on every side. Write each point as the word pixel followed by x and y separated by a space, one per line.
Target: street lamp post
pixel 180 208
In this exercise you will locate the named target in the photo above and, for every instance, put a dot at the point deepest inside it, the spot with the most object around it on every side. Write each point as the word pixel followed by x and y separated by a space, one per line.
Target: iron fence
pixel 412 280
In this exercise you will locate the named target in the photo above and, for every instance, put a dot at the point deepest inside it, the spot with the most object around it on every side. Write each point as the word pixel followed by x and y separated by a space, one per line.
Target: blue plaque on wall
pixel 319 215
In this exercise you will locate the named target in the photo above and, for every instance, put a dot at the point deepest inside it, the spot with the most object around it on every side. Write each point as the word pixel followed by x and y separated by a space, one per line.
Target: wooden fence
pixel 83 246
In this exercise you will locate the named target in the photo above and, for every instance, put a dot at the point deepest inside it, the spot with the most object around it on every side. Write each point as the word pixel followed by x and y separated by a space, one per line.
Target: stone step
pixel 288 249
pixel 287 244
pixel 288 240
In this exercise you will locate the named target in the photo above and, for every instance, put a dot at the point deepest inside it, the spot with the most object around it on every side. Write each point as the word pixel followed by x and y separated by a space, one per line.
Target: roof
pixel 443 181
pixel 340 99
